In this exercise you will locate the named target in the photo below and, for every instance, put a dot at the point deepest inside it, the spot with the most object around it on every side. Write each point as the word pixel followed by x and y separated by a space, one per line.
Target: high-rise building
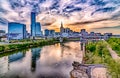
pixel 47 32
pixel 52 32
pixel 33 24
pixel 16 31
pixel 2 33
pixel 38 29
pixel 33 17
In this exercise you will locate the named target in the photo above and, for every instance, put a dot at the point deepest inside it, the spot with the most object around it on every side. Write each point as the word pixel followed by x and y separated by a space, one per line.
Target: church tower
pixel 61 28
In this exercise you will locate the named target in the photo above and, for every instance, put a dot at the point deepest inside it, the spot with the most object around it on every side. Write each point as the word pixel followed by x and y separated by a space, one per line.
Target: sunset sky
pixel 93 15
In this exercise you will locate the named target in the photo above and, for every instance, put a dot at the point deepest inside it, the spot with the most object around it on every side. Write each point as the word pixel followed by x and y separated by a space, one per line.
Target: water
pixel 53 61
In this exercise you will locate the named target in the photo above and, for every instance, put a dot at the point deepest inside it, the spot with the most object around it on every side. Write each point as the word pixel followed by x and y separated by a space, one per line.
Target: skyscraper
pixel 47 32
pixel 33 17
pixel 33 24
pixel 16 31
pixel 38 29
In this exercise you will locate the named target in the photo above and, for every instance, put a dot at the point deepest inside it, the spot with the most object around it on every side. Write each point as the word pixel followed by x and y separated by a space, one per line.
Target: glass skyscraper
pixel 33 17
pixel 47 32
pixel 52 32
pixel 16 31
pixel 38 29
pixel 35 26
pixel 35 57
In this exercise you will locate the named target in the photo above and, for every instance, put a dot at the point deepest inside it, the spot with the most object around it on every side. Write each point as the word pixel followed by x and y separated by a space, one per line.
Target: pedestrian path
pixel 113 53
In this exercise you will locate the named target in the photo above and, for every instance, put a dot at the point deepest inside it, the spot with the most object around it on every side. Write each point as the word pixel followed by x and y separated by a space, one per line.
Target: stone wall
pixel 88 71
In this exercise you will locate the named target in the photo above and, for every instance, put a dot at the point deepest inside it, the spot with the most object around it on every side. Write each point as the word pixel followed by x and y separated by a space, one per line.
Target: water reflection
pixel 4 66
pixel 15 57
pixel 35 57
pixel 52 61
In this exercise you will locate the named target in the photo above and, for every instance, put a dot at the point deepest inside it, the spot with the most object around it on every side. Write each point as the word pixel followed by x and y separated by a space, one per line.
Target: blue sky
pixel 75 14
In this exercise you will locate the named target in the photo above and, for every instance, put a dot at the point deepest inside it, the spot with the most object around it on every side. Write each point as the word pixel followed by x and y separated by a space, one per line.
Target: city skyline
pixel 93 15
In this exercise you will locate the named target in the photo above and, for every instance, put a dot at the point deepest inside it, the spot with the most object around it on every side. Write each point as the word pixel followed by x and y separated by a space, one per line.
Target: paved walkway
pixel 113 53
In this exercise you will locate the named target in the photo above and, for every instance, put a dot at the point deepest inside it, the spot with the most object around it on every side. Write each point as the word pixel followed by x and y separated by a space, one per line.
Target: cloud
pixel 106 9
pixel 81 13
pixel 115 27
pixel 88 22
pixel 3 21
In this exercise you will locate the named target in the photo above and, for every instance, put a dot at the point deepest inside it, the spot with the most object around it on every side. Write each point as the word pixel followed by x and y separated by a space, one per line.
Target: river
pixel 53 61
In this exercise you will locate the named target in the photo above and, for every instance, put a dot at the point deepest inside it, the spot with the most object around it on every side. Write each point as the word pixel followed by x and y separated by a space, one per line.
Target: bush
pixel 2 48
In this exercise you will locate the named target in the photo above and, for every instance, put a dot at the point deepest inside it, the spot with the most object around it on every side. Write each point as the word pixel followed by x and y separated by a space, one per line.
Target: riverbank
pixel 97 53
pixel 18 46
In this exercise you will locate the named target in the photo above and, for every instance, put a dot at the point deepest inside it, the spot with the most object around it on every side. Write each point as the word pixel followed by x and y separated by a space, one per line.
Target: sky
pixel 93 15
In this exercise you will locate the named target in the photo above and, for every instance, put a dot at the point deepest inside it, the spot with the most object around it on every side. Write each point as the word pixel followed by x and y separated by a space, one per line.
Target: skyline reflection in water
pixel 53 61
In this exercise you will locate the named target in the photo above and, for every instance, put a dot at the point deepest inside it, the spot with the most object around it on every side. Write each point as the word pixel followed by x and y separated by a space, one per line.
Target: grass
pixel 97 53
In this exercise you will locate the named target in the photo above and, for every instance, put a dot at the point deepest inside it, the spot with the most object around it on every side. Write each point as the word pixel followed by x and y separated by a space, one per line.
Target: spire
pixel 61 24
pixel 61 28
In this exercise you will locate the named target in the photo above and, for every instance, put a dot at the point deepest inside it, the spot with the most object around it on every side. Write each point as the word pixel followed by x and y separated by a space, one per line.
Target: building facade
pixel 35 26
pixel 16 31
pixel 38 29
pixel 47 32
pixel 2 33
pixel 64 31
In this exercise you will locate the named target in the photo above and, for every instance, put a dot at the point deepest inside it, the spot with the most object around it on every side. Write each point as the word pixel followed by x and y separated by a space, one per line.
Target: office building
pixel 35 26
pixel 92 34
pixel 38 29
pixel 52 32
pixel 16 31
pixel 2 33
pixel 47 32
